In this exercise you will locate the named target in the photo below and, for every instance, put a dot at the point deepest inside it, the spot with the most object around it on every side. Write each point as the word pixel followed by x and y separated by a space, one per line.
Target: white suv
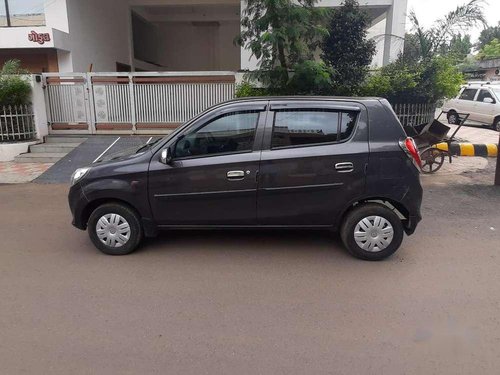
pixel 480 101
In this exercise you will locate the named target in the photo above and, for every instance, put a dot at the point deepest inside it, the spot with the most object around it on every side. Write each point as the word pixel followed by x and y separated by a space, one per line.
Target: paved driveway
pixel 476 134
pixel 247 302
pixel 87 152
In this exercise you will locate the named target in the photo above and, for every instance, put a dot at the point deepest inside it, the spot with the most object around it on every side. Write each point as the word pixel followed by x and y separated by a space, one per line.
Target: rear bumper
pixel 412 201
pixel 411 224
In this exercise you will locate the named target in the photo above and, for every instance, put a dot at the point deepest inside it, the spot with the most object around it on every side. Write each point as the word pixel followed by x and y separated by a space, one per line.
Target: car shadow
pixel 238 240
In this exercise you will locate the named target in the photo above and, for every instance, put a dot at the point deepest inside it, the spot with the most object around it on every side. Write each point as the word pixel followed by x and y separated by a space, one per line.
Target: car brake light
pixel 411 150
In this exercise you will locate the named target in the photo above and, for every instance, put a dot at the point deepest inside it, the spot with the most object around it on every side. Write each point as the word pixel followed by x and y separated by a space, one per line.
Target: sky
pixel 429 10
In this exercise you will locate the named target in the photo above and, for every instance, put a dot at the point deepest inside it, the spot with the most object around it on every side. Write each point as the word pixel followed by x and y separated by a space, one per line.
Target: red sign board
pixel 41 38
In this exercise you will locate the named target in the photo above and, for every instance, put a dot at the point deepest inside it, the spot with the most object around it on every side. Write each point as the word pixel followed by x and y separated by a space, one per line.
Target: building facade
pixel 484 70
pixel 153 35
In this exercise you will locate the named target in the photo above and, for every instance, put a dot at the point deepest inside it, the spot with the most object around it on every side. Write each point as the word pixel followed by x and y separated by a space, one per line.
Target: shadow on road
pixel 245 241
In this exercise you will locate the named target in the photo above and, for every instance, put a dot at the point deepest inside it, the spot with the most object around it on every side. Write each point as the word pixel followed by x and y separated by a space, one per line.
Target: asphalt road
pixel 247 302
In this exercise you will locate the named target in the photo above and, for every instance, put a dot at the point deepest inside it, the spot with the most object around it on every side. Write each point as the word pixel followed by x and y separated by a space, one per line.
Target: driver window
pixel 232 132
pixel 484 94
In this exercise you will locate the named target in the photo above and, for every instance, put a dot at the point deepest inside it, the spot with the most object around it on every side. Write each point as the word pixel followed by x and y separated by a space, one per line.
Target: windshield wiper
pixel 147 145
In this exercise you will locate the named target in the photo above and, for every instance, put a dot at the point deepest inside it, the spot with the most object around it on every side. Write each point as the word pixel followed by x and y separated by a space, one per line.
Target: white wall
pixel 188 46
pixel 376 32
pixel 56 14
pixel 145 40
pixel 99 33
pixel 17 37
pixel 65 61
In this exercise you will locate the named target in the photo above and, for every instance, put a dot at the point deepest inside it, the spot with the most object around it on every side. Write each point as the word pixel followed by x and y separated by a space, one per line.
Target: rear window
pixel 468 94
pixel 311 126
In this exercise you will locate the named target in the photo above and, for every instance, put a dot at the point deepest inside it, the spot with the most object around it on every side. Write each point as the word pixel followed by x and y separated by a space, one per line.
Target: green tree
pixel 431 40
pixel 490 50
pixel 14 88
pixel 411 49
pixel 281 34
pixel 457 48
pixel 435 79
pixel 347 50
pixel 310 78
pixel 487 35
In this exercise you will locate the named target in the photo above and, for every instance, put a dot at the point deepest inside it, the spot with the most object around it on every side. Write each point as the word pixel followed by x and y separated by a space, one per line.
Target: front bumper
pixel 77 203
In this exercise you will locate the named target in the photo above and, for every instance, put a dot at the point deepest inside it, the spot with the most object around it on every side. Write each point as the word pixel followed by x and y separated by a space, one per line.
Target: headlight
pixel 79 174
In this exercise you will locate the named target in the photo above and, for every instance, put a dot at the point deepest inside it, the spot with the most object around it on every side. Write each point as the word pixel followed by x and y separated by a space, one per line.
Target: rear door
pixel 313 162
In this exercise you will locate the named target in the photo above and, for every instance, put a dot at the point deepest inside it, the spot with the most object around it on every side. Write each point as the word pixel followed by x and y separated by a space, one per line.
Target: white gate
pixel 67 102
pixel 131 102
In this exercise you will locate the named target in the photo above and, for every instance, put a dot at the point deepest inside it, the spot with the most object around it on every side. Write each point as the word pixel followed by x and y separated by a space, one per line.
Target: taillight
pixel 410 148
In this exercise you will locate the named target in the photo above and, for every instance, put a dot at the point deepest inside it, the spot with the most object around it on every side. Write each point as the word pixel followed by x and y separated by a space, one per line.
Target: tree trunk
pixel 282 58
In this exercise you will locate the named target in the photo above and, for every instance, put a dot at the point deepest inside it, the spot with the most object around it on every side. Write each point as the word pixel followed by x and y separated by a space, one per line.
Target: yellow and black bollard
pixel 469 149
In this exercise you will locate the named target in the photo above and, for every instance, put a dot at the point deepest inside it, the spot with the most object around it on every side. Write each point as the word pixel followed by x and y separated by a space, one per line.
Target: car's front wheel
pixel 453 118
pixel 115 229
pixel 372 232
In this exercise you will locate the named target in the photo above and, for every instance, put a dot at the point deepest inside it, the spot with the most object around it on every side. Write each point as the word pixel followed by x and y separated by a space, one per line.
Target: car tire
pixel 385 230
pixel 496 124
pixel 115 229
pixel 452 117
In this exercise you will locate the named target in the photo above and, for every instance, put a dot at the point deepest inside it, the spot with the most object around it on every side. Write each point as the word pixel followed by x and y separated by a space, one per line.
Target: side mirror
pixel 166 156
pixel 488 100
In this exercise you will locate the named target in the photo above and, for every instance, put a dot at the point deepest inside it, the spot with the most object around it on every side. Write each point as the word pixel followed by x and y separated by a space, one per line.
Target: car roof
pixel 304 98
pixel 477 85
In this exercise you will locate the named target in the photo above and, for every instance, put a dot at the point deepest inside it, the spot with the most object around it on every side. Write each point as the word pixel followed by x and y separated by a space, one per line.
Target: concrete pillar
pixel 394 30
pixel 65 62
pixel 39 107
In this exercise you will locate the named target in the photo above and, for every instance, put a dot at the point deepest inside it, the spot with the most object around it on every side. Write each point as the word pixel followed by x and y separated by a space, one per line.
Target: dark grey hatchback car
pixel 343 164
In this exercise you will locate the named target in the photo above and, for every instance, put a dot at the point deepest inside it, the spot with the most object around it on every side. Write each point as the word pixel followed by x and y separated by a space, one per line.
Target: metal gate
pixel 67 102
pixel 129 103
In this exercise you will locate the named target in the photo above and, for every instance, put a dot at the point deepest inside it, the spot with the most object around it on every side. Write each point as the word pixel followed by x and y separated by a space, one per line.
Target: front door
pixel 212 179
pixel 314 163
pixel 467 104
pixel 485 112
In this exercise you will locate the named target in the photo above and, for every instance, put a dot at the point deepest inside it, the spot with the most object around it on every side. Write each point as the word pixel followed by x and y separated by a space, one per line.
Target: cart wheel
pixel 432 159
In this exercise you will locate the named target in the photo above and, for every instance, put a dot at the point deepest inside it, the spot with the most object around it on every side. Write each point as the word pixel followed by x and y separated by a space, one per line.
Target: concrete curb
pixel 470 149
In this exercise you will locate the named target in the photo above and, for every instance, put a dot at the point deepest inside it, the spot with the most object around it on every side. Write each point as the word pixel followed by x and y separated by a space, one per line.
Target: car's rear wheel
pixel 496 124
pixel 453 117
pixel 372 232
pixel 115 229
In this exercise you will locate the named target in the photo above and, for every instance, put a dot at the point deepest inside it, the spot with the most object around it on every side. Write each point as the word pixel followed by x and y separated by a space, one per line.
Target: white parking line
pixel 111 145
pixel 149 140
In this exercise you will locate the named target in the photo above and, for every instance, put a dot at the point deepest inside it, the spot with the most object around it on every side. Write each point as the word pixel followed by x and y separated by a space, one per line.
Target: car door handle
pixel 235 175
pixel 344 167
